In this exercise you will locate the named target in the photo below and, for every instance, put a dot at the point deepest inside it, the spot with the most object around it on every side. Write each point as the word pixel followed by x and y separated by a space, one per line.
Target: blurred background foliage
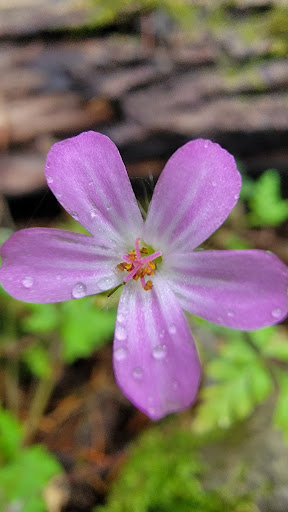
pixel 61 414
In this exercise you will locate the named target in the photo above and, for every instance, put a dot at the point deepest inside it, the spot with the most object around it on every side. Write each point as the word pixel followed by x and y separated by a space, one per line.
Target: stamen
pixel 148 285
pixel 139 266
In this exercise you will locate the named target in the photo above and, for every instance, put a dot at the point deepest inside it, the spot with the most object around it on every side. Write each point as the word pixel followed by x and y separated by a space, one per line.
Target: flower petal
pixel 88 177
pixel 52 265
pixel 238 289
pixel 195 193
pixel 155 360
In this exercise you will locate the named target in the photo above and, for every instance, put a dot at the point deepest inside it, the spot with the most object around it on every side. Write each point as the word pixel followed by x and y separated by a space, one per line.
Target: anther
pixel 139 263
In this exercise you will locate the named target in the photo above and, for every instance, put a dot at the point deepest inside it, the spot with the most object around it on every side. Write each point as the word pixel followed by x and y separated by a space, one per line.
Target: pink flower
pixel 155 360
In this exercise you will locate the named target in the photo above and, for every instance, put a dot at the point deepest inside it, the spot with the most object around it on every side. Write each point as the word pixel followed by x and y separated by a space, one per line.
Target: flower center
pixel 140 263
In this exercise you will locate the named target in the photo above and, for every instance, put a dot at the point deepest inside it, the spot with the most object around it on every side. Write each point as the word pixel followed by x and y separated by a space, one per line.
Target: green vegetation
pixel 164 473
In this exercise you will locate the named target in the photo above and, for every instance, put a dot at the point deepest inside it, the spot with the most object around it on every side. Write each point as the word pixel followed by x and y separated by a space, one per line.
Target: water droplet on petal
pixel 58 196
pixel 230 313
pixel 79 290
pixel 206 143
pixel 175 385
pixel 93 214
pixel 276 313
pixel 137 373
pixel 151 410
pixel 236 196
pixel 120 353
pixel 27 281
pixel 106 283
pixel 172 329
pixel 49 179
pixel 90 183
pixel 108 206
pixel 214 183
pixel 159 352
pixel 59 277
pixel 120 333
pixel 74 215
pixel 120 318
pixel 162 333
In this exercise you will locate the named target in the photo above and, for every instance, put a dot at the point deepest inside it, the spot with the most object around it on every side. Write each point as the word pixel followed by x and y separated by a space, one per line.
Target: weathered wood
pixel 19 17
pixel 25 119
pixel 21 173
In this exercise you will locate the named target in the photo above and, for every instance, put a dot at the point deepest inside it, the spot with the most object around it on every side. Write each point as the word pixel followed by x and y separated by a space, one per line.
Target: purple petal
pixel 88 177
pixel 155 360
pixel 51 265
pixel 195 193
pixel 239 289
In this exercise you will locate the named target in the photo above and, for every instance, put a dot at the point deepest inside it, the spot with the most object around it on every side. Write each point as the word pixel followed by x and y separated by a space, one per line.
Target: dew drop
pixel 151 410
pixel 206 143
pixel 159 352
pixel 79 290
pixel 162 333
pixel 120 333
pixel 120 318
pixel 58 196
pixel 175 385
pixel 276 313
pixel 120 353
pixel 93 214
pixel 49 179
pixel 108 206
pixel 74 215
pixel 106 283
pixel 27 281
pixel 172 329
pixel 214 183
pixel 236 196
pixel 230 313
pixel 59 277
pixel 137 373
pixel 90 183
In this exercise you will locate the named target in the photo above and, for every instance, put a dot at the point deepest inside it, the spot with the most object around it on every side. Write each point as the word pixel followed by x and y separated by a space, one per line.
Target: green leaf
pixel 42 318
pixel 11 435
pixel 241 381
pixel 233 241
pixel 262 337
pixel 272 342
pixel 24 478
pixel 84 328
pixel 38 361
pixel 267 206
pixel 248 187
pixel 281 410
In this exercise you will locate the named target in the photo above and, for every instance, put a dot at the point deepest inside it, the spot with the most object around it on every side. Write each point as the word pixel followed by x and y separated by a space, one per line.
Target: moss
pixel 164 473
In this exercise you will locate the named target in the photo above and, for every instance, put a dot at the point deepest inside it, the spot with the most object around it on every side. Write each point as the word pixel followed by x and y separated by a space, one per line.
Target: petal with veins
pixel 88 177
pixel 195 193
pixel 53 265
pixel 155 360
pixel 239 289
